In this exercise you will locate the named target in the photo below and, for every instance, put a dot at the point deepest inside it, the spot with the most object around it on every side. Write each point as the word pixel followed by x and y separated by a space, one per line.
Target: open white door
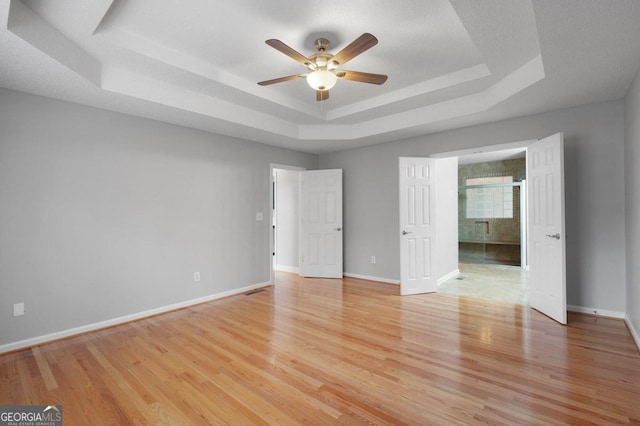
pixel 321 223
pixel 547 272
pixel 417 225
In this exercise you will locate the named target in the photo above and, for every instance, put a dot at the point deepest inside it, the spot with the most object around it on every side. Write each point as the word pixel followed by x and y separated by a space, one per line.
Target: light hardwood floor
pixel 337 352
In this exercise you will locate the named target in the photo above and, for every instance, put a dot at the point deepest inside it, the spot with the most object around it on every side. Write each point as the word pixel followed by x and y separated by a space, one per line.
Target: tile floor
pixel 493 282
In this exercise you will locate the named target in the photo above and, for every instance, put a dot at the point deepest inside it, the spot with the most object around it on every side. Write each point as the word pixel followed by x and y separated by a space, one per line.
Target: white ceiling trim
pixel 451 63
pixel 4 13
pixel 193 65
pixel 525 76
pixel 442 82
pixel 131 84
pixel 190 64
pixel 99 9
pixel 27 25
pixel 139 86
pixel 34 30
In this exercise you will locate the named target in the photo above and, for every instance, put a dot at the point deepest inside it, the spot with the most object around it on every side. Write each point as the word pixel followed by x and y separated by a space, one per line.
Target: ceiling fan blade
pixel 282 79
pixel 322 95
pixel 363 77
pixel 359 45
pixel 280 46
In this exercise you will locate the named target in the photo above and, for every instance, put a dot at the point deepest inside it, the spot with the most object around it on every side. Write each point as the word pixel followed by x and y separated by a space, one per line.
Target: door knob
pixel 405 232
pixel 556 236
pixel 337 229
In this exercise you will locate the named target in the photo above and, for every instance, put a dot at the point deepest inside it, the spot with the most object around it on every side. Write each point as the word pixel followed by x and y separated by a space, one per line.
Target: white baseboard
pixel 450 275
pixel 13 346
pixel 633 331
pixel 369 278
pixel 595 311
pixel 397 282
pixel 287 268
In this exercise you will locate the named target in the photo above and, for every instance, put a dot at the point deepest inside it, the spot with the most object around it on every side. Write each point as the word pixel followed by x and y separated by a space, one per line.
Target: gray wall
pixel 594 184
pixel 104 215
pixel 632 180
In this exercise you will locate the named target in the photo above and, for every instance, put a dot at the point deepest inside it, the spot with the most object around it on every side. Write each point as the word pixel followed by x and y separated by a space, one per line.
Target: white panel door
pixel 547 273
pixel 417 225
pixel 321 223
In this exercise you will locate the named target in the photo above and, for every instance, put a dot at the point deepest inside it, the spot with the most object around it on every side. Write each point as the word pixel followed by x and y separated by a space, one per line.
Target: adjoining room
pixel 492 227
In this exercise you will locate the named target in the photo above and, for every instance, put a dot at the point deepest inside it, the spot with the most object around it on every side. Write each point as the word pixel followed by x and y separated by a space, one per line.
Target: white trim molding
pixel 634 333
pixel 595 311
pixel 287 268
pixel 449 276
pixel 22 344
pixel 369 278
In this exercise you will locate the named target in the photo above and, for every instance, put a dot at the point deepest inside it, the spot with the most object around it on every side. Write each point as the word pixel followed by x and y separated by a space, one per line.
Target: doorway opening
pixel 492 231
pixel 306 221
pixel 430 198
pixel 284 218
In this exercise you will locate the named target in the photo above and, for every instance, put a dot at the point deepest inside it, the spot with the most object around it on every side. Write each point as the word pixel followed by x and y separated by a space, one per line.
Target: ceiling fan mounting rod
pixel 322 59
pixel 322 44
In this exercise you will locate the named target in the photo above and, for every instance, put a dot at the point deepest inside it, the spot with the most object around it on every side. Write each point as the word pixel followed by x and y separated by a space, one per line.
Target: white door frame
pixel 484 149
pixel 496 148
pixel 272 248
pixel 491 148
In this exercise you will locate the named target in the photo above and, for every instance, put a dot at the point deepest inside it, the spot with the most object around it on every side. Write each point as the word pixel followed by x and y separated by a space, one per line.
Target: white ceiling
pixel 451 63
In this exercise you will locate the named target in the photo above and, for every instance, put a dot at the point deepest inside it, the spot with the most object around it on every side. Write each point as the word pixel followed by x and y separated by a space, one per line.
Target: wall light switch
pixel 18 309
pixel 259 216
pixel 196 277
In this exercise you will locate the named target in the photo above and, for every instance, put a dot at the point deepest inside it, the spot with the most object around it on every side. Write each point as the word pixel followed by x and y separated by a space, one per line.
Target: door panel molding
pixel 547 247
pixel 321 223
pixel 417 225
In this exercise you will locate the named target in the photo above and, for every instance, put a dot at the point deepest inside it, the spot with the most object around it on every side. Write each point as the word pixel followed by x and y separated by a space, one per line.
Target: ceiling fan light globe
pixel 321 80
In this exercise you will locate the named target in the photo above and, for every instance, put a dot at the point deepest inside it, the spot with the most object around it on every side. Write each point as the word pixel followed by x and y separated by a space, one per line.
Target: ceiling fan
pixel 323 66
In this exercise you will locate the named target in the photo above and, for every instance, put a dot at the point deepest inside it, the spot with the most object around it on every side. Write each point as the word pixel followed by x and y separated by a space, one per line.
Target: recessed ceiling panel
pixel 196 63
pixel 418 41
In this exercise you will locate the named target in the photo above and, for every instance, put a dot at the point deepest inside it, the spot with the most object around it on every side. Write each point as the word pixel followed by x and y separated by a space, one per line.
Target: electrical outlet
pixel 196 277
pixel 373 259
pixel 18 309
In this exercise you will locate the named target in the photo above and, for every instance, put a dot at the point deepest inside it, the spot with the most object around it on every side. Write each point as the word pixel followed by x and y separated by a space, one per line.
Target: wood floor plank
pixel 45 371
pixel 351 351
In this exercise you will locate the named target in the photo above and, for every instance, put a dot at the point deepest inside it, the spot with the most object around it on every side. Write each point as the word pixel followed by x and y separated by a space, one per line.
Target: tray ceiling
pixel 196 64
